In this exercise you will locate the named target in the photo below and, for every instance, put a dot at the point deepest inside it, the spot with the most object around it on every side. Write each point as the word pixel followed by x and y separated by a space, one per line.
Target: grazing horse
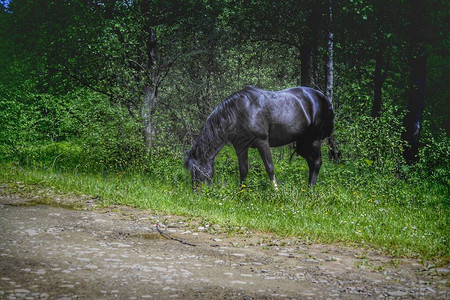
pixel 262 119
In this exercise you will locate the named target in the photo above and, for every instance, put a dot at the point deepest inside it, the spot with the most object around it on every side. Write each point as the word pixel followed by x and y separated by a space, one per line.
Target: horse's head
pixel 201 170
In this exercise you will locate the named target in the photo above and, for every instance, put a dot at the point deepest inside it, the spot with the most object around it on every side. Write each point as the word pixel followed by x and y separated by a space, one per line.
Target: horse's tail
pixel 328 118
pixel 334 153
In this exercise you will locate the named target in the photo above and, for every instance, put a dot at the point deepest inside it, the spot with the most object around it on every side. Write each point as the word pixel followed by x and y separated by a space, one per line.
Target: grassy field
pixel 352 205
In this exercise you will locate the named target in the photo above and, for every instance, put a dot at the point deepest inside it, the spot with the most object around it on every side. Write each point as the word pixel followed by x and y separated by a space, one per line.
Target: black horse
pixel 262 119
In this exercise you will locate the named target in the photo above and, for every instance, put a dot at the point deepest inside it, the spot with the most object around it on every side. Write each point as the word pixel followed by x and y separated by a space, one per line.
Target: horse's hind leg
pixel 314 158
pixel 264 151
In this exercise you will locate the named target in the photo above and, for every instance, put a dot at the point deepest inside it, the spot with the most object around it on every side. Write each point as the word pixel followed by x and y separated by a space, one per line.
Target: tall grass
pixel 351 204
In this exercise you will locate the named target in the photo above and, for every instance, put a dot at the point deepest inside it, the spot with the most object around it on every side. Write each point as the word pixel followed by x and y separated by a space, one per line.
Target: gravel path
pixel 49 252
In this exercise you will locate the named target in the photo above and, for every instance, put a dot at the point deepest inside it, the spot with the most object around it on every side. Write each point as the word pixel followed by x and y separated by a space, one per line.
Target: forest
pixel 103 97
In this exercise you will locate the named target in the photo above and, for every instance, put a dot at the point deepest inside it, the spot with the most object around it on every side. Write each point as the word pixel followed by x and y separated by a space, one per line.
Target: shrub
pixel 373 142
pixel 434 155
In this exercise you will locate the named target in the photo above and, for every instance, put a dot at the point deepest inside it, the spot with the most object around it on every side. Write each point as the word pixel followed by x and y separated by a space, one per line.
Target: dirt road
pixel 51 252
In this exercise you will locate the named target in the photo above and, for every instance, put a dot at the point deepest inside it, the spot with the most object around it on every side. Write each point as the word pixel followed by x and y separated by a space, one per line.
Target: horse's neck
pixel 211 147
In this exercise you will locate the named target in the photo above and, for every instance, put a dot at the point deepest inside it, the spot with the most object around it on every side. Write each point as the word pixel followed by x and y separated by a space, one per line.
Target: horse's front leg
pixel 264 151
pixel 242 154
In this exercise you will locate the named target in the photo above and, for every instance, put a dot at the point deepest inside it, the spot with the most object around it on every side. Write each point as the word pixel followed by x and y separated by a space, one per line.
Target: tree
pixel 308 51
pixel 381 38
pixel 418 31
pixel 330 46
pixel 109 47
pixel 334 153
pixel 294 24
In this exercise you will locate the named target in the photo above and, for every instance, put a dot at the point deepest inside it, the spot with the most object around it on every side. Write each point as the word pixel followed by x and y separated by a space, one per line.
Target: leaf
pixel 369 162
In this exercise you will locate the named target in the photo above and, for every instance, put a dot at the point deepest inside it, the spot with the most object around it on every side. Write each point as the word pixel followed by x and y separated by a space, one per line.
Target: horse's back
pixel 285 116
pixel 303 112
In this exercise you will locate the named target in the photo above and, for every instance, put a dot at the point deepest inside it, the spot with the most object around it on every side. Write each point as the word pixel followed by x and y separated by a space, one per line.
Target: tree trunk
pixel 329 66
pixel 416 104
pixel 416 97
pixel 147 112
pixel 334 153
pixel 310 44
pixel 150 90
pixel 315 74
pixel 305 67
pixel 378 85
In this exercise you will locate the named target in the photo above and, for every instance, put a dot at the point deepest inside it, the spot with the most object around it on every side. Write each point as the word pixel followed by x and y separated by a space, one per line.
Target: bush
pixel 373 142
pixel 113 143
pixel 434 155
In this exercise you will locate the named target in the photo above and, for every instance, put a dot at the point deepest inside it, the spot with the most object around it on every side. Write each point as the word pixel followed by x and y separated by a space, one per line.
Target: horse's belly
pixel 287 123
pixel 284 135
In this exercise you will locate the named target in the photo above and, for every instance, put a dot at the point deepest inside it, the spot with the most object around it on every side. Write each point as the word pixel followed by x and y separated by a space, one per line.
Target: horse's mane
pixel 214 133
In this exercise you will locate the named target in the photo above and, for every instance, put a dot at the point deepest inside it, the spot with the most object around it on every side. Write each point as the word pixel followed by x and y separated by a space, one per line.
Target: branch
pixel 54 161
pixel 161 78
pixel 85 83
pixel 142 67
pixel 171 237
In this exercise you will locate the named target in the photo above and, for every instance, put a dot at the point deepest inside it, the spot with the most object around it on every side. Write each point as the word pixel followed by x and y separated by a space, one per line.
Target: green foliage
pixel 50 157
pixel 434 156
pixel 112 140
pixel 80 130
pixel 373 142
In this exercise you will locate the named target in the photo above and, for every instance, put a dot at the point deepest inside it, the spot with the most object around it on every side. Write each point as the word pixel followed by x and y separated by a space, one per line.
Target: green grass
pixel 351 205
